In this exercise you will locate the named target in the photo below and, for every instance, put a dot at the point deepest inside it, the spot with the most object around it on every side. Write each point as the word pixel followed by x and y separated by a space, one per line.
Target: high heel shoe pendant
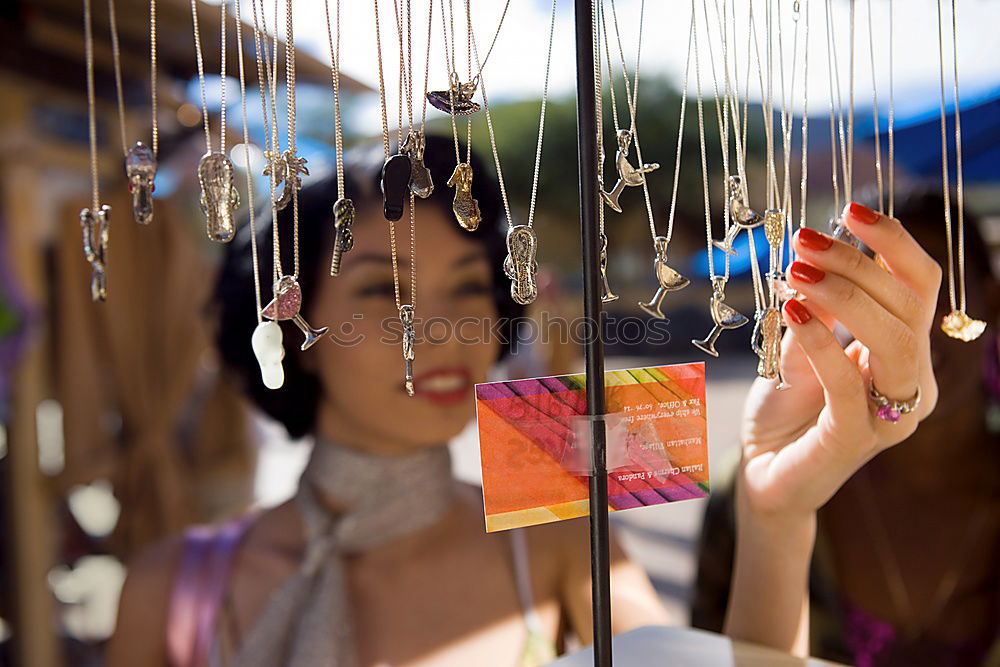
pixel 741 216
pixel 219 196
pixel 413 147
pixel 724 317
pixel 464 205
pixel 286 305
pixel 669 280
pixel 140 168
pixel 95 248
pixel 457 100
pixel 628 176
pixel 520 265
pixel 607 296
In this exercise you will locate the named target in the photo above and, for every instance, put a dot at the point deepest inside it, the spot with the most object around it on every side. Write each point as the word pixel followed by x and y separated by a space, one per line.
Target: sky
pixel 516 68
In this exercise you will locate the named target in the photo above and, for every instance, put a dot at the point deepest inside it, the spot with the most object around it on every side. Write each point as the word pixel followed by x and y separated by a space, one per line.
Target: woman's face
pixel 360 364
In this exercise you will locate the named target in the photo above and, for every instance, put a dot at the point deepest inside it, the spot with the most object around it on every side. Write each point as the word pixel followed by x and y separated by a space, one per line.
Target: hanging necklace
pixel 840 230
pixel 219 197
pixel 421 183
pixel 723 316
pixel 607 295
pixel 140 161
pixel 343 208
pixel 287 301
pixel 94 220
pixel 520 265
pixel 957 324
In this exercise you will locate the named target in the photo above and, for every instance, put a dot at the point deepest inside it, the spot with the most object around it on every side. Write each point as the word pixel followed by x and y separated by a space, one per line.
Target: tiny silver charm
pixel 140 168
pixel 409 337
pixel 421 183
pixel 628 176
pixel 291 180
pixel 219 197
pixel 464 205
pixel 520 265
pixel 766 342
pixel 669 280
pixel 95 248
pixel 457 100
pixel 286 305
pixel 723 316
pixel 839 231
pixel 607 296
pixel 740 214
pixel 343 241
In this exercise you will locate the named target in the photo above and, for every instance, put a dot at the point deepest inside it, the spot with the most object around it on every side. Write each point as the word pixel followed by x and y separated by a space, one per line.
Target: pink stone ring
pixel 891 410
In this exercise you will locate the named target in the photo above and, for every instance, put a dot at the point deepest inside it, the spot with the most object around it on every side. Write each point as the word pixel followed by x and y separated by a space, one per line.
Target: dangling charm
pixel 395 183
pixel 766 342
pixel 740 214
pixel 668 279
pixel 409 337
pixel 267 347
pixel 464 206
pixel 343 241
pixel 140 168
pixel 219 197
pixel 413 147
pixel 95 248
pixel 607 296
pixel 839 231
pixel 520 265
pixel 960 326
pixel 457 100
pixel 285 306
pixel 627 174
pixel 723 316
pixel 286 169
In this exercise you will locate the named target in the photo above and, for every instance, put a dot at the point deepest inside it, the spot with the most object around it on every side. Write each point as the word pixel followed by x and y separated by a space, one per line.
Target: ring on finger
pixel 889 409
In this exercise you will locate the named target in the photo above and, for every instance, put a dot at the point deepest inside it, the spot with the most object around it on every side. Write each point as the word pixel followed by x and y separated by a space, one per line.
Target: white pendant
pixel 268 348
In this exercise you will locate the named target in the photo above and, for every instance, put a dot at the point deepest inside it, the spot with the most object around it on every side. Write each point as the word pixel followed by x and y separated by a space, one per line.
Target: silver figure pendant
pixel 421 183
pixel 723 316
pixel 286 304
pixel 409 337
pixel 766 342
pixel 95 247
pixel 140 168
pixel 219 197
pixel 741 216
pixel 669 280
pixel 628 176
pixel 457 100
pixel 607 296
pixel 343 240
pixel 464 206
pixel 520 265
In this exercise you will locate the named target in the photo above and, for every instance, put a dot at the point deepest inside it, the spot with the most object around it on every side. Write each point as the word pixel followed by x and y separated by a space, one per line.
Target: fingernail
pixel 814 240
pixel 797 312
pixel 806 272
pixel 862 213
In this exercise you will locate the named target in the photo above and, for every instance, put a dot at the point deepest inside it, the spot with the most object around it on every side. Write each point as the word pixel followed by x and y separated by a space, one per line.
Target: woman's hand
pixel 802 443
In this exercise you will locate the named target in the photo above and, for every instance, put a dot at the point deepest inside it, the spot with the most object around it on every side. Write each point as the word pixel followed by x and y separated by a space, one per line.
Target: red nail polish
pixel 806 272
pixel 814 240
pixel 862 213
pixel 797 312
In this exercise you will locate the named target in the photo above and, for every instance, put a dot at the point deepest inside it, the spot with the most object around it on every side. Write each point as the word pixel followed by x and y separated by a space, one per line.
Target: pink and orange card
pixel 535 444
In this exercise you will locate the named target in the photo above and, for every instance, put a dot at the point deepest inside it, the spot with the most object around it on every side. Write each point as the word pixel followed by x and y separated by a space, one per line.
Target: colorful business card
pixel 534 439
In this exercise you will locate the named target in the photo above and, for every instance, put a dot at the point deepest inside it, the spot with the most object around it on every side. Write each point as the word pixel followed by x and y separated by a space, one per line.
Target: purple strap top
pixel 199 586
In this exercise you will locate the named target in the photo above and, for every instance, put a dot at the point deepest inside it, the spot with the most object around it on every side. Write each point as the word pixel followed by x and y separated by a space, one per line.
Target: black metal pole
pixel 586 123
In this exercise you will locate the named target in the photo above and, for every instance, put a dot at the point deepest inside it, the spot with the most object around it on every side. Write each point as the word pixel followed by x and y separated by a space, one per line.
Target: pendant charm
pixel 607 296
pixel 285 306
pixel 286 169
pixel 267 347
pixel 95 248
pixel 839 231
pixel 343 240
pixel 409 337
pixel 766 343
pixel 628 176
pixel 413 147
pixel 457 100
pixel 464 206
pixel 520 265
pixel 140 168
pixel 723 316
pixel 960 326
pixel 395 186
pixel 668 279
pixel 741 216
pixel 219 197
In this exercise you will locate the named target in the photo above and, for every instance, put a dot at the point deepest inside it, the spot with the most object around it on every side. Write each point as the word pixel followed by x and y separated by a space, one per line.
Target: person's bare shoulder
pixel 140 634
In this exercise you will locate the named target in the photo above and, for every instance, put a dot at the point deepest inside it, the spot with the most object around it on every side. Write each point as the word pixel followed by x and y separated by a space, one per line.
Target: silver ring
pixel 891 410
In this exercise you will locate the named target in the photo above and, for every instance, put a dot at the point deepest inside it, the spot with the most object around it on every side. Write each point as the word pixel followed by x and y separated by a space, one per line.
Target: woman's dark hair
pixel 295 403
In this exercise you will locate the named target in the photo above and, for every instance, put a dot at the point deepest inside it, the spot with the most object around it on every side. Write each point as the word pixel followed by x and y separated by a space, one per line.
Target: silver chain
pixel 88 42
pixel 117 61
pixel 155 122
pixel 335 76
pixel 875 117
